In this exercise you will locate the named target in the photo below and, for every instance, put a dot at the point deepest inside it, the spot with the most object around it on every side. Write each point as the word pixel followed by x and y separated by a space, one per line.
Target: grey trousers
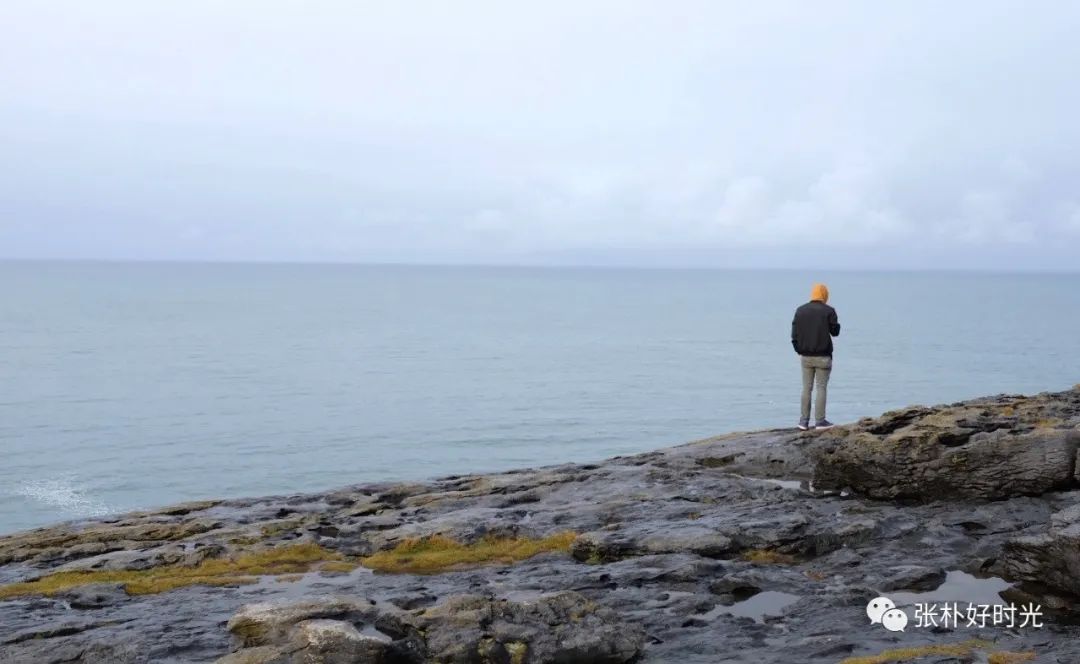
pixel 815 374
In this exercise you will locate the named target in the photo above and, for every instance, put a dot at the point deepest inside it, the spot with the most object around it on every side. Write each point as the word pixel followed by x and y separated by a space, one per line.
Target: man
pixel 812 330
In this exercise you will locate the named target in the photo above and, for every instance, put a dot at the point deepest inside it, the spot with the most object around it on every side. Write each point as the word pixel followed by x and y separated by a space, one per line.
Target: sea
pixel 131 385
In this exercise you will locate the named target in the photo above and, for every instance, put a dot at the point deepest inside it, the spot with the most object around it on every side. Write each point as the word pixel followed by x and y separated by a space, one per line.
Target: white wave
pixel 61 493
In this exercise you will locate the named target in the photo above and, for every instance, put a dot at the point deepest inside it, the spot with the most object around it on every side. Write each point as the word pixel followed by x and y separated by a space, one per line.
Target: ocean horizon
pixel 134 384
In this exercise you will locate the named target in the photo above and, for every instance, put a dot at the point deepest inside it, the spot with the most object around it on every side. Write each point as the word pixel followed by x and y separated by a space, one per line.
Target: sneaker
pixel 804 425
pixel 823 424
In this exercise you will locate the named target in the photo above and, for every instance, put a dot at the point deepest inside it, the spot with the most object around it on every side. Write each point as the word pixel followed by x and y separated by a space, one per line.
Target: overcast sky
pixel 848 134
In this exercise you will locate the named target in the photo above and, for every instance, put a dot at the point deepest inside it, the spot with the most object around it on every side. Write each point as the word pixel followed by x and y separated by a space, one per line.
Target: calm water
pixel 125 386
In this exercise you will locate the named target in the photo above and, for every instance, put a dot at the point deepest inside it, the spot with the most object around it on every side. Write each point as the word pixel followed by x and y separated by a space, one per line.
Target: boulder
pixel 977 450
pixel 270 623
pixel 337 642
pixel 1051 559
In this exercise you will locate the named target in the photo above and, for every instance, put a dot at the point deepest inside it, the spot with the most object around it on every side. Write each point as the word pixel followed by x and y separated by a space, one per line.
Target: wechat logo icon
pixel 882 611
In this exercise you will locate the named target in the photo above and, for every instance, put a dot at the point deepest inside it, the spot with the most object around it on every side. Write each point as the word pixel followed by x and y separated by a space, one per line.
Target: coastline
pixel 746 547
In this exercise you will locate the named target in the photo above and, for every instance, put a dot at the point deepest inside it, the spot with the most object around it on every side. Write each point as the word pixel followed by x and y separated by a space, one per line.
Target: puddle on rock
pixel 966 590
pixel 959 587
pixel 767 603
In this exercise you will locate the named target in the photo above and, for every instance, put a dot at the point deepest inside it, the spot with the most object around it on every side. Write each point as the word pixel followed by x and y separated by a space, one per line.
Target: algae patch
pixel 1011 657
pixel 964 648
pixel 767 557
pixel 434 554
pixel 242 569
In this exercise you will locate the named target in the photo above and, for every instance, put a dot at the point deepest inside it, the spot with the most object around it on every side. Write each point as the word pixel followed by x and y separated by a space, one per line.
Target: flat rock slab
pixel 564 627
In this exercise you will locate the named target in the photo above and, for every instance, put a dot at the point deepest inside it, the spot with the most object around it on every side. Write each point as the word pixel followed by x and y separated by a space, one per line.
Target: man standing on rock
pixel 812 330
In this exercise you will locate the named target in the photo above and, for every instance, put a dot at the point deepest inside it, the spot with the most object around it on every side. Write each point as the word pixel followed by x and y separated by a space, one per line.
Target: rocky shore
pixel 753 547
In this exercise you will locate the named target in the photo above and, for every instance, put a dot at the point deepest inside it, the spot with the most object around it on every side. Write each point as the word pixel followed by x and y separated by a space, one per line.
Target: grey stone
pixel 913 578
pixel 268 622
pixel 965 451
pixel 563 627
pixel 1051 558
pixel 95 595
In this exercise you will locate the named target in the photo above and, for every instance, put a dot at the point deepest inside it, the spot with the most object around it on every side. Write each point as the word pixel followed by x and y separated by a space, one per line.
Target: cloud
pixel 1069 220
pixel 845 205
pixel 484 131
pixel 987 216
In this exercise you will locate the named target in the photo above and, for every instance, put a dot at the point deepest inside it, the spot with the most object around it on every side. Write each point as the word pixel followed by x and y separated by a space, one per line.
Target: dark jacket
pixel 812 329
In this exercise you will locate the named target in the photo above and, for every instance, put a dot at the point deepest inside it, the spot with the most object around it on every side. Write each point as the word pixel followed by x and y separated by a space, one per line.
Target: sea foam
pixel 62 493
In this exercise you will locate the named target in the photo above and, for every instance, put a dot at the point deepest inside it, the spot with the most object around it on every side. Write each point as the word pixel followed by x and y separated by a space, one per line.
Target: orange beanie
pixel 820 293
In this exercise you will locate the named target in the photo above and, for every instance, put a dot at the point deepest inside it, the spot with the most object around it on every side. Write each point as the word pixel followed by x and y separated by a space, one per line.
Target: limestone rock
pixel 337 642
pixel 95 595
pixel 1052 558
pixel 257 655
pixel 913 578
pixel 986 449
pixel 563 627
pixel 269 623
pixel 68 543
pixel 608 546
